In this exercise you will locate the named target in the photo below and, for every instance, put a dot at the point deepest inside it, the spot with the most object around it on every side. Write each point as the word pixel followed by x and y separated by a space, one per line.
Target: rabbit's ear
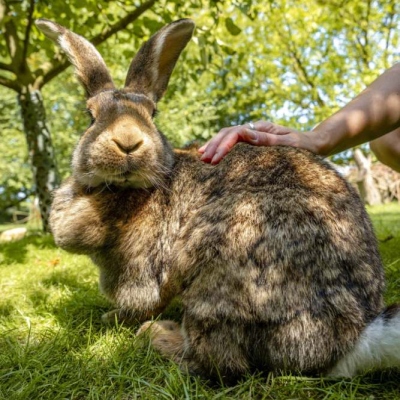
pixel 151 69
pixel 89 65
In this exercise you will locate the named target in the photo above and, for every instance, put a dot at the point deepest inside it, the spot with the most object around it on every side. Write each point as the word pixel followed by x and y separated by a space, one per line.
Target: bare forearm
pixel 373 113
pixel 387 149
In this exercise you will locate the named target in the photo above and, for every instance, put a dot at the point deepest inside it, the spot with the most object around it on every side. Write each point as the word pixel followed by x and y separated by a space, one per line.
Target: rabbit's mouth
pixel 133 179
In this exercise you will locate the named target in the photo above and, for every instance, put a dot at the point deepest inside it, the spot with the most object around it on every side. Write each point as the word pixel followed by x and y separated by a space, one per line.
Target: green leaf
pixel 203 56
pixel 232 27
pixel 228 50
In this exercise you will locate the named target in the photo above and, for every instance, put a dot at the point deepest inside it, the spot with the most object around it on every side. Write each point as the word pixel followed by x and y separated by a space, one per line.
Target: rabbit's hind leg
pixel 210 353
pixel 166 337
pixel 169 339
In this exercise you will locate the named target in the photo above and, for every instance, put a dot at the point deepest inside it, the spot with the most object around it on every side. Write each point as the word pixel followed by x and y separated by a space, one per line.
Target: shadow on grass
pixel 389 378
pixel 16 252
pixel 82 363
pixel 81 302
pixel 6 308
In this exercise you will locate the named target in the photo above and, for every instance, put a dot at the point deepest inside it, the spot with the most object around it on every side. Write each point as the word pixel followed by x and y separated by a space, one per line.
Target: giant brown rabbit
pixel 271 250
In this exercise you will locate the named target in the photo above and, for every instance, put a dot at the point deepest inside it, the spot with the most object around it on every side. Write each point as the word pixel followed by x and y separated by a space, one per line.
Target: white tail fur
pixel 378 346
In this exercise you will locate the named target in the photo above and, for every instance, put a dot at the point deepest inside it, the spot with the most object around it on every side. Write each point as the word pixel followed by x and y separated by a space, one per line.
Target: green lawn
pixel 53 345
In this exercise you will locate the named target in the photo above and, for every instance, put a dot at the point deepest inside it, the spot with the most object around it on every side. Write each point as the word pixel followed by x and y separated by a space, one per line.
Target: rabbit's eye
pixel 92 118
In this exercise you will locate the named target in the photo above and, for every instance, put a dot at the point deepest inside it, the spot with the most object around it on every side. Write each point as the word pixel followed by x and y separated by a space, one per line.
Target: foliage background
pixel 294 62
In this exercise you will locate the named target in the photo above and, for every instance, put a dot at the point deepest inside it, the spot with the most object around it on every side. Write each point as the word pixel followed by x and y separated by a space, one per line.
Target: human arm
pixel 387 149
pixel 373 113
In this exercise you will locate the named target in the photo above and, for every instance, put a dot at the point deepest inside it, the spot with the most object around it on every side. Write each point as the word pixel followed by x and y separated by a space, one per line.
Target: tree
pixel 368 190
pixel 14 166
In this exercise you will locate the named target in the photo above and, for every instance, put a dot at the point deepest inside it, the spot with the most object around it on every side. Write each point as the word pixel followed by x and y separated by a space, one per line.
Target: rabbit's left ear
pixel 152 67
pixel 89 65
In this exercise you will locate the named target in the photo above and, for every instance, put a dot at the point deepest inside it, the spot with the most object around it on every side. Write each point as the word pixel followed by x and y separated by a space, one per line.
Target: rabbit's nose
pixel 127 144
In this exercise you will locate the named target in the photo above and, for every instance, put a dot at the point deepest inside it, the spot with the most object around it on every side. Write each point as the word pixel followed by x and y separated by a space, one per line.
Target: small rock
pixel 11 235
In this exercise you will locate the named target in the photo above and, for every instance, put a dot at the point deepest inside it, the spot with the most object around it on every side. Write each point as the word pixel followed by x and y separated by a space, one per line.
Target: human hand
pixel 264 134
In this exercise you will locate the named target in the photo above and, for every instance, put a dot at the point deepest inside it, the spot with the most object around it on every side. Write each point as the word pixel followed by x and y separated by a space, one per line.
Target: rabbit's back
pixel 277 246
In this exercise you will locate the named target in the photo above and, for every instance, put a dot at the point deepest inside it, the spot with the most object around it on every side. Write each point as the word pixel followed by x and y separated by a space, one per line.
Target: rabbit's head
pixel 122 146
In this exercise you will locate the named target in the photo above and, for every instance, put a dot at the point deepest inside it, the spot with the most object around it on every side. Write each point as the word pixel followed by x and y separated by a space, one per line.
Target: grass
pixel 53 345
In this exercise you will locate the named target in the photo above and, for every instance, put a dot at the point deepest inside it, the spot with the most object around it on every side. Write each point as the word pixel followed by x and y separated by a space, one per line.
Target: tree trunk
pixel 368 190
pixel 41 150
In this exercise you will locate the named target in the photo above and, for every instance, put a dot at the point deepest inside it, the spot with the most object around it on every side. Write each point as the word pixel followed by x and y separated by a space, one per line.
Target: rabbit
pixel 271 251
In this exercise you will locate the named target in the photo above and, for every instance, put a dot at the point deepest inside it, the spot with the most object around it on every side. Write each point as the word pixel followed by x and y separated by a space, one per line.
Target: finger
pixel 203 148
pixel 254 137
pixel 270 127
pixel 213 144
pixel 235 135
pixel 232 137
pixel 258 138
pixel 264 126
pixel 225 146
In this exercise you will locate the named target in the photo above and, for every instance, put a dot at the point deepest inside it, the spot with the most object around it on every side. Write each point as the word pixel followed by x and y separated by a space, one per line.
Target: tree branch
pixel 302 71
pixel 390 27
pixel 15 202
pixel 62 65
pixel 306 78
pixel 364 33
pixel 28 30
pixel 363 47
pixel 325 54
pixel 6 67
pixel 14 85
pixel 364 53
pixel 18 64
pixel 12 41
pixel 3 10
pixel 123 23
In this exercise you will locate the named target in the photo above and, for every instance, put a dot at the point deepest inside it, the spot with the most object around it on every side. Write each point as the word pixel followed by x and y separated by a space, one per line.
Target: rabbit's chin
pixel 93 180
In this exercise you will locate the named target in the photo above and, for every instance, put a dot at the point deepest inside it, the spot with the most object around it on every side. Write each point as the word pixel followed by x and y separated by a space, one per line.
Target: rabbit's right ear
pixel 152 67
pixel 89 65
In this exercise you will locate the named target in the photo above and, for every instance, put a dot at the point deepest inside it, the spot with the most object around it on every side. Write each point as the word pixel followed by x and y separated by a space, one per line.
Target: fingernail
pixel 201 149
pixel 215 159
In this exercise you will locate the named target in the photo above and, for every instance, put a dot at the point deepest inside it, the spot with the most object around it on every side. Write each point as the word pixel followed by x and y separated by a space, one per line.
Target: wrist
pixel 319 142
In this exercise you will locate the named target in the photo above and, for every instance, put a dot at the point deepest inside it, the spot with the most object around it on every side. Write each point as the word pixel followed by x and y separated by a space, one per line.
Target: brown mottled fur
pixel 271 250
